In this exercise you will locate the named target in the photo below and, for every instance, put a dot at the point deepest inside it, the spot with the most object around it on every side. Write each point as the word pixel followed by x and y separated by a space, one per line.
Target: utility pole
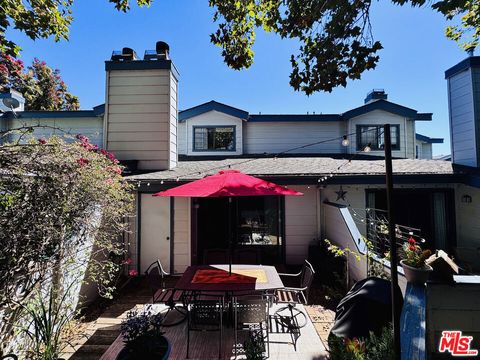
pixel 392 237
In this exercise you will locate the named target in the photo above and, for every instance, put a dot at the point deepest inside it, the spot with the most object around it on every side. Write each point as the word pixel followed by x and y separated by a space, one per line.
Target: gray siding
pixel 301 223
pixel 380 117
pixel 67 128
pixel 275 137
pixel 141 117
pixel 462 121
pixel 211 118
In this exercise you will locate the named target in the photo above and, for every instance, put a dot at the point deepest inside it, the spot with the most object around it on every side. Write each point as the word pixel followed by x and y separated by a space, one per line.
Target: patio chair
pixel 161 294
pixel 297 294
pixel 251 314
pixel 215 256
pixel 247 256
pixel 205 313
pixel 9 357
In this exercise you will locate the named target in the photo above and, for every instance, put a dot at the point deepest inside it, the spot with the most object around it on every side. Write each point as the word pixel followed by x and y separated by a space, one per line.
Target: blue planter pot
pixel 126 354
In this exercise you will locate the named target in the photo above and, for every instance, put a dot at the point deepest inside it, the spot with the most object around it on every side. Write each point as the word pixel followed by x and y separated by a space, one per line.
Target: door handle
pixel 168 238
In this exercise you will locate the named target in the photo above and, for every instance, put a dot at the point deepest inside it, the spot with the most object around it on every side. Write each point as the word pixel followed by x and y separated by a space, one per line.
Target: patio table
pixel 243 278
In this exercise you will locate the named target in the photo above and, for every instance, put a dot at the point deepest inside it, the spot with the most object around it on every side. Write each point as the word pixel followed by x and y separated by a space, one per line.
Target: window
pixel 373 135
pixel 214 138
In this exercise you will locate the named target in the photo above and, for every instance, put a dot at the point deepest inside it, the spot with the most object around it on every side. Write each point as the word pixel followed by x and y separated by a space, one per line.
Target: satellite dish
pixel 11 103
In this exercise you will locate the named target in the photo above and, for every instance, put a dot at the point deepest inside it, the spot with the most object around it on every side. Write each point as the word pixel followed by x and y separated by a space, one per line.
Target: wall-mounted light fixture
pixel 467 199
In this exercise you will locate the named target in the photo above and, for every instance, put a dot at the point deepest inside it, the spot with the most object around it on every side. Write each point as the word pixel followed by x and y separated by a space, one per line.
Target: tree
pixel 335 36
pixel 42 87
pixel 336 40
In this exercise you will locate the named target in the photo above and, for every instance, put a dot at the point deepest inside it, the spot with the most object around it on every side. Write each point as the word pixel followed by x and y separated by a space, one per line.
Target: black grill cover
pixel 366 307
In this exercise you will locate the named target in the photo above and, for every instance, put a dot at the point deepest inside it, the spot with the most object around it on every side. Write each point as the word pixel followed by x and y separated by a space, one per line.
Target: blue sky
pixel 411 68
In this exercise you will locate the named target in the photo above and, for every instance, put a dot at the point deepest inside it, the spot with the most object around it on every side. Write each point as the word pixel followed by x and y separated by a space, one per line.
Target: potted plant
pixel 143 337
pixel 414 267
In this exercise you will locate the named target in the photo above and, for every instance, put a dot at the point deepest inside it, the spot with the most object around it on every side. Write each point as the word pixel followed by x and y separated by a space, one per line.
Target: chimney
pixel 141 108
pixel 463 81
pixel 375 94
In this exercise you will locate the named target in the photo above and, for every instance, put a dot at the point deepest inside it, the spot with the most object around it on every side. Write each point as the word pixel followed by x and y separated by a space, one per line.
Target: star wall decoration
pixel 341 194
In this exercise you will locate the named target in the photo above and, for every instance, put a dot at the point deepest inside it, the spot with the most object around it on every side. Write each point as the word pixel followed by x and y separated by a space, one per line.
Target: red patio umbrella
pixel 228 183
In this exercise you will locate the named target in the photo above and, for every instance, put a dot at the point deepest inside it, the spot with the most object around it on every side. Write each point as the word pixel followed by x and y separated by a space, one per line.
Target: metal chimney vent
pixel 161 52
pixel 127 54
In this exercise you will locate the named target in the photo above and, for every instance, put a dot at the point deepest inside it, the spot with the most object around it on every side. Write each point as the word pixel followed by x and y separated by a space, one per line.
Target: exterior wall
pixel 141 113
pixel 173 122
pixel 468 217
pixel 155 231
pixel 211 118
pixel 462 120
pixel 380 117
pixel 181 248
pixel 423 150
pixel 275 137
pixel 301 223
pixel 92 127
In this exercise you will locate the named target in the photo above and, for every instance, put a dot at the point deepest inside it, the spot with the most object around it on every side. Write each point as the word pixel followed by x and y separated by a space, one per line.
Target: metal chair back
pixel 205 313
pixel 156 276
pixel 307 276
pixel 252 310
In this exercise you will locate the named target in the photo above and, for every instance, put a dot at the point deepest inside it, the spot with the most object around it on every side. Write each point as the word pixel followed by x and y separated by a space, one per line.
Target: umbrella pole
pixel 230 240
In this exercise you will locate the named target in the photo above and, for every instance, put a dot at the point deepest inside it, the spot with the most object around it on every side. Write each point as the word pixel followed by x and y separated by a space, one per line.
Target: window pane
pixel 368 135
pixel 224 139
pixel 374 135
pixel 394 135
pixel 211 138
pixel 258 221
pixel 200 139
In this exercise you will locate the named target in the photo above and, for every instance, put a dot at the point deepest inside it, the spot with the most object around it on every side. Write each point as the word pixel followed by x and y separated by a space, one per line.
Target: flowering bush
pixel 58 202
pixel 141 332
pixel 414 255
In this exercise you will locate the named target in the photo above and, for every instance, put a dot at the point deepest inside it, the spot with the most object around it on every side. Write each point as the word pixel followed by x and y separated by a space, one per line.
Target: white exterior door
pixel 155 231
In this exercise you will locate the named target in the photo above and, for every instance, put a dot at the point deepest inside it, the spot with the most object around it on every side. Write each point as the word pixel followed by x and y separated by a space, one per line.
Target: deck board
pixel 204 345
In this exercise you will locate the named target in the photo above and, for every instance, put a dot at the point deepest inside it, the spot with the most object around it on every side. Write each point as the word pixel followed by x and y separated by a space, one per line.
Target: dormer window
pixel 372 135
pixel 214 138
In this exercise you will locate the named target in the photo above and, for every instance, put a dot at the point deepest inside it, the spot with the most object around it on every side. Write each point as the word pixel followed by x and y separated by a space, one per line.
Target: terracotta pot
pixel 416 276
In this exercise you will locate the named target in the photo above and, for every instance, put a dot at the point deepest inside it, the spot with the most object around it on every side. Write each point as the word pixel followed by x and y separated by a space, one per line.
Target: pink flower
pixel 128 261
pixel 82 161
pixel 103 152
pixel 411 241
pixel 133 273
pixel 109 181
pixel 117 170
pixel 42 141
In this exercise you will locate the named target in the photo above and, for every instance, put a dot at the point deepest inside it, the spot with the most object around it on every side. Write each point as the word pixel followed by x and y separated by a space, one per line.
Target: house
pixel 322 155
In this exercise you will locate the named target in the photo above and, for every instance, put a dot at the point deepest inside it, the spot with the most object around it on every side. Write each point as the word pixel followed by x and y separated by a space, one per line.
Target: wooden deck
pixel 103 341
pixel 205 345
